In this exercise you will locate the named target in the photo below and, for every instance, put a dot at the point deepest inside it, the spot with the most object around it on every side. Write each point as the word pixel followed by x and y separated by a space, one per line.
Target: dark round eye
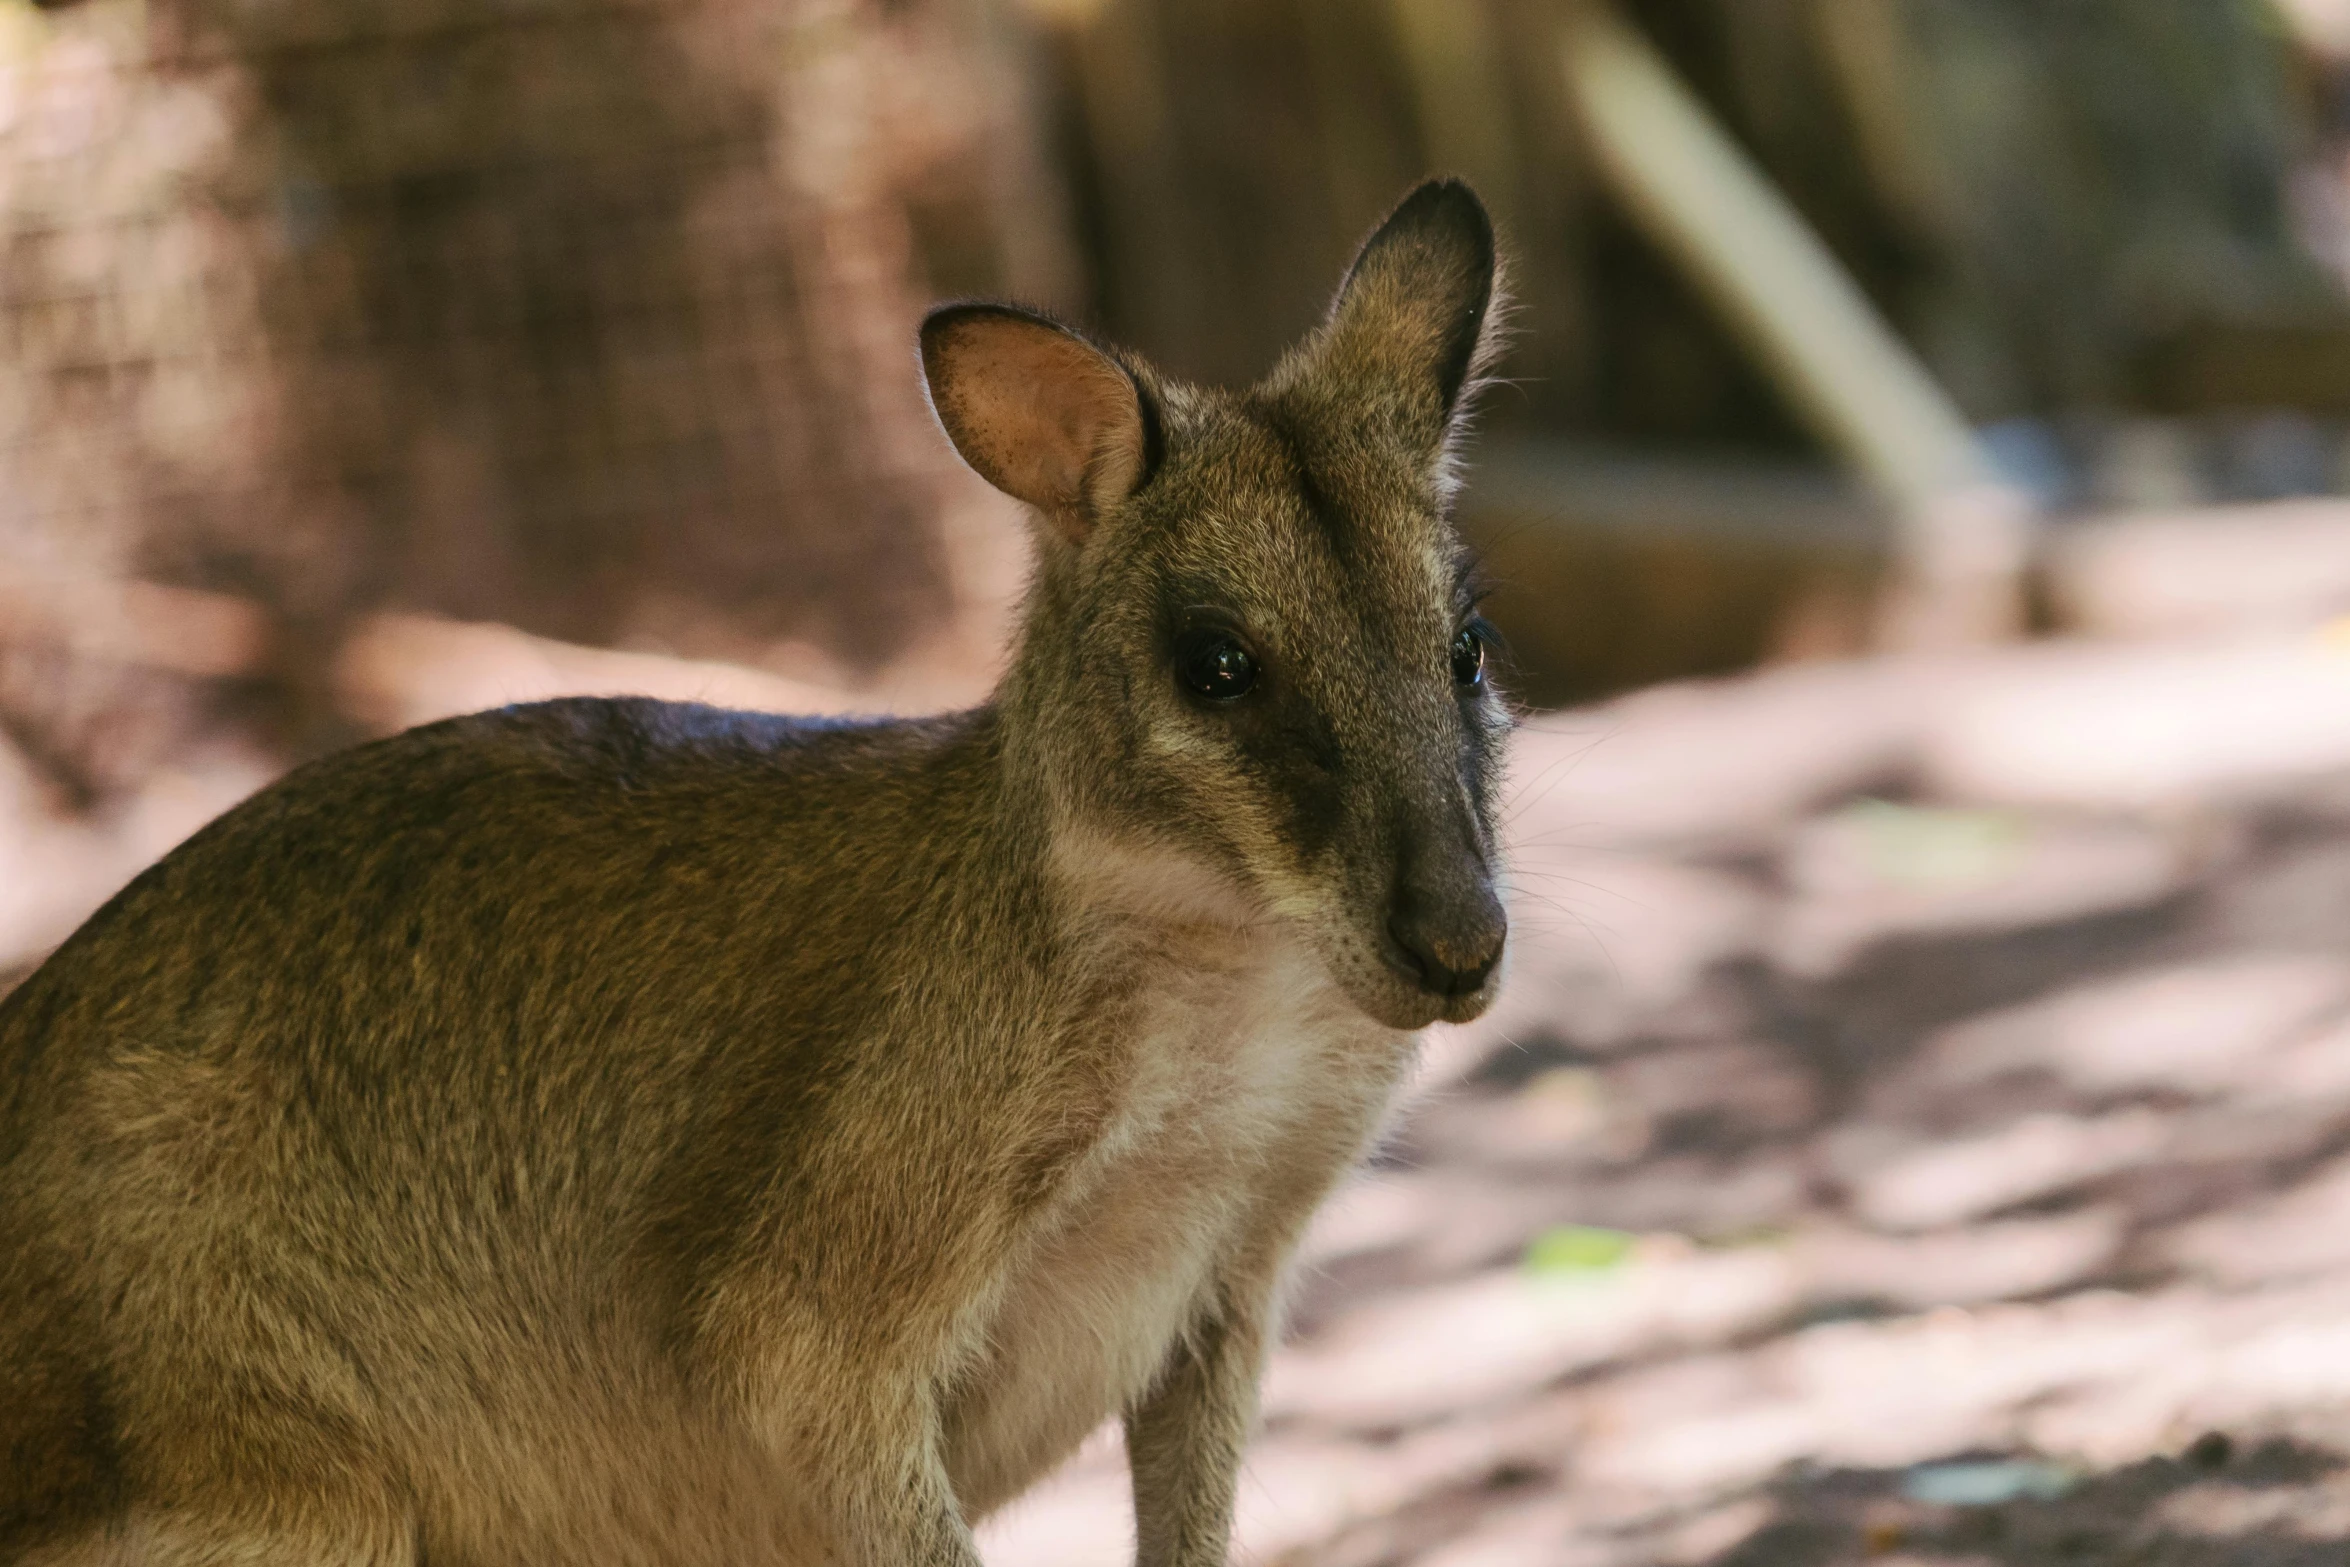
pixel 1468 656
pixel 1216 666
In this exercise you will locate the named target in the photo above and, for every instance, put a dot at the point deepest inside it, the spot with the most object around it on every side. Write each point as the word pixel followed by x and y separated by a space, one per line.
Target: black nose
pixel 1448 944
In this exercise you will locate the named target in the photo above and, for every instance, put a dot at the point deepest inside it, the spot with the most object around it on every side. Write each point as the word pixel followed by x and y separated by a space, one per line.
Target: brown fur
pixel 614 1132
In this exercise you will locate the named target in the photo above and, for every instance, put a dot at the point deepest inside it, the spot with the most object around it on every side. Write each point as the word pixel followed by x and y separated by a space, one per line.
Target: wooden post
pixel 1962 535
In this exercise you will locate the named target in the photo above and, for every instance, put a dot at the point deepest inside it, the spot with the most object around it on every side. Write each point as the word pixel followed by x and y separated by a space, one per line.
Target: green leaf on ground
pixel 1578 1251
pixel 1925 846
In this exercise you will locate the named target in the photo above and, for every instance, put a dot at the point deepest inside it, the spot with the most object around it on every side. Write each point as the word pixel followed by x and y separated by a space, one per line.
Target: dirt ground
pixel 1916 1131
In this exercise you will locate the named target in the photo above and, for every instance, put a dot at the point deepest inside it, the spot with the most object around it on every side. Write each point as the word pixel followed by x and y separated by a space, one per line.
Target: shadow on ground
pixel 2284 1504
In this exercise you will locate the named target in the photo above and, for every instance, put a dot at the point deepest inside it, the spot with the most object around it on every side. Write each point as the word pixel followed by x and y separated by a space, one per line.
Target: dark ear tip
pixel 1446 203
pixel 939 324
pixel 942 320
pixel 1445 191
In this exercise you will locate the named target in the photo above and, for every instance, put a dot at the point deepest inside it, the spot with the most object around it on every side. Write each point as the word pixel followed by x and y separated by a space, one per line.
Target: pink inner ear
pixel 1040 414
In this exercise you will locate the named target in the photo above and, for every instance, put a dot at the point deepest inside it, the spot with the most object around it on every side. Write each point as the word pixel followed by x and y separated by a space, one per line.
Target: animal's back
pixel 452 1022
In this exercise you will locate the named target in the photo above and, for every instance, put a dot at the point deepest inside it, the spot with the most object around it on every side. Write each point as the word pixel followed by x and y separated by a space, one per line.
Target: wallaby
pixel 606 1131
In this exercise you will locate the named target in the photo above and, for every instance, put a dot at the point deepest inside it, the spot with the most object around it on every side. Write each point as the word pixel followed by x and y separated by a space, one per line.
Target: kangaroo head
pixel 1252 679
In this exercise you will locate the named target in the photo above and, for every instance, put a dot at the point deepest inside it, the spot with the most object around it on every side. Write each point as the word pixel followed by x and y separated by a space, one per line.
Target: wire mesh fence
pixel 588 317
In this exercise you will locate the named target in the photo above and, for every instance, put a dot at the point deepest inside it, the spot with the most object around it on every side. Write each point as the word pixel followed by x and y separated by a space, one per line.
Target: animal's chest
pixel 1245 1099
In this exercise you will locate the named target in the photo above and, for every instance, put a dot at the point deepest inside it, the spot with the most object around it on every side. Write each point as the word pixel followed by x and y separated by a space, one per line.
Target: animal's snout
pixel 1449 941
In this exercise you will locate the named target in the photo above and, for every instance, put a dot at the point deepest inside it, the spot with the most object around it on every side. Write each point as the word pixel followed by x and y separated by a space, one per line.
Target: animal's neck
pixel 1103 866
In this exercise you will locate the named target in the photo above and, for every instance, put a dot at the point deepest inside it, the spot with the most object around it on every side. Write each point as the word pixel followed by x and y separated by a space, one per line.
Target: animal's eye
pixel 1468 656
pixel 1214 665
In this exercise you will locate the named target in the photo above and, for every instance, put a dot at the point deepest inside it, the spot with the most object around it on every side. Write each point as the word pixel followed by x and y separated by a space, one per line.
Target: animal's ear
pixel 1042 414
pixel 1418 310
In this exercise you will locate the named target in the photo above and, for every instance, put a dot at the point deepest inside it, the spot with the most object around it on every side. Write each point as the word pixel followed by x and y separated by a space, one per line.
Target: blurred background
pixel 1917 1127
